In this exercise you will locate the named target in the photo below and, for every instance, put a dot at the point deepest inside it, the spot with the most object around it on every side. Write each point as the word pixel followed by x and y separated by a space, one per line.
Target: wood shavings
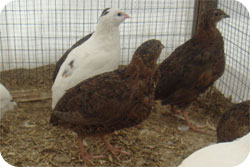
pixel 155 142
pixel 110 158
pixel 62 158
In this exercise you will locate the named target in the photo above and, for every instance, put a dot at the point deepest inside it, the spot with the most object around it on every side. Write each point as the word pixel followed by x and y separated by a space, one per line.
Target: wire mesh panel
pixel 35 33
pixel 236 32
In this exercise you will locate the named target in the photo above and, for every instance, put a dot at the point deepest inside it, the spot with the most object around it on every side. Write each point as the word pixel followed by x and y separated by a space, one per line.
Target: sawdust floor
pixel 27 138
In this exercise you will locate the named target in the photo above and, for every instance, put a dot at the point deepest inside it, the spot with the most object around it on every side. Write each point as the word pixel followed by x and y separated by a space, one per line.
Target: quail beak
pixel 126 16
pixel 226 16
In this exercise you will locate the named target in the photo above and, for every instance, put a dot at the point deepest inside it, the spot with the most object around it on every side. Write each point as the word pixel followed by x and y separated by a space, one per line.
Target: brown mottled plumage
pixel 65 55
pixel 193 66
pixel 112 100
pixel 234 123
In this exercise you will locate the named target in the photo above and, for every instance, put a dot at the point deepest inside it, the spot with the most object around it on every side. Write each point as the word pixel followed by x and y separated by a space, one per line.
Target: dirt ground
pixel 27 138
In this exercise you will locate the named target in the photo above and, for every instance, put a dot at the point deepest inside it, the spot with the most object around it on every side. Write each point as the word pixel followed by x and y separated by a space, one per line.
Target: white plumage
pixel 4 163
pixel 228 154
pixel 6 101
pixel 99 54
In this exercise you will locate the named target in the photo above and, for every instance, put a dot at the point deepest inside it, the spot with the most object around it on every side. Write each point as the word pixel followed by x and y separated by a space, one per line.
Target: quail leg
pixel 85 156
pixel 187 120
pixel 113 150
pixel 174 111
pixel 190 125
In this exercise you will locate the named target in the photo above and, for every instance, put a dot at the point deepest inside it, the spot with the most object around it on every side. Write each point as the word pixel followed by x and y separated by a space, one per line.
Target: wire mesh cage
pixel 34 34
pixel 37 33
pixel 236 32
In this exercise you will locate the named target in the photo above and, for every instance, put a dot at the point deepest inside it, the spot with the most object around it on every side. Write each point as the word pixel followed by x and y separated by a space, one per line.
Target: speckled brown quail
pixel 194 66
pixel 112 100
pixel 234 123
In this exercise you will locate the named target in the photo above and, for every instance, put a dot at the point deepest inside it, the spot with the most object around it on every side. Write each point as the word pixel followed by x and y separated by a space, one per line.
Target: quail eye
pixel 119 14
pixel 217 14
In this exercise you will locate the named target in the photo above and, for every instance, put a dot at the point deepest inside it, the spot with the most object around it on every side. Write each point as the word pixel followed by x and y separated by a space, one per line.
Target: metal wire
pixel 37 33
pixel 235 81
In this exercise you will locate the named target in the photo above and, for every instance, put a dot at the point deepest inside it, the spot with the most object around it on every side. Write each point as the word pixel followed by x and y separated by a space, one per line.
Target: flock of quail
pixel 92 96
